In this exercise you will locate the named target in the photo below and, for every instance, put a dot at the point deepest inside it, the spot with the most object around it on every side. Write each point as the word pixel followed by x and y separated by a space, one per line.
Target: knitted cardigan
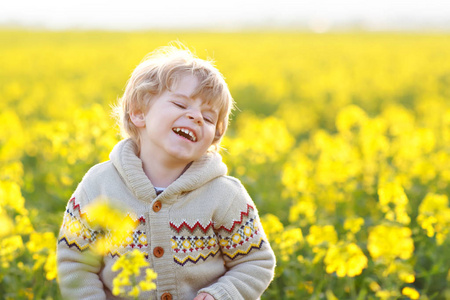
pixel 207 226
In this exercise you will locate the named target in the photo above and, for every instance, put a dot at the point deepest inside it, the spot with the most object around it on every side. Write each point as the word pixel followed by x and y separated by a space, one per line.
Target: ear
pixel 138 119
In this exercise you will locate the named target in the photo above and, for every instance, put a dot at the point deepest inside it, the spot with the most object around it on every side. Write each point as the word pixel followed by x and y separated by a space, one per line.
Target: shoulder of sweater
pixel 229 186
pixel 97 171
pixel 229 182
pixel 99 176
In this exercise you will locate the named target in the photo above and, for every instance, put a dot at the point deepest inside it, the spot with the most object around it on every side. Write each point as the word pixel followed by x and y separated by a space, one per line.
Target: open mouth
pixel 186 133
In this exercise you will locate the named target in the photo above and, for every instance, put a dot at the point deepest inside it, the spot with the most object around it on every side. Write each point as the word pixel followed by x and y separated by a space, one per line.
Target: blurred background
pixel 317 16
pixel 341 136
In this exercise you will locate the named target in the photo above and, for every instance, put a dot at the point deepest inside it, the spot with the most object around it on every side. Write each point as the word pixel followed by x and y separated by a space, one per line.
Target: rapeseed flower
pixel 41 241
pixel 296 174
pixel 303 211
pixel 392 194
pixel 6 224
pixel 290 241
pixel 272 227
pixel 129 277
pixel 346 259
pixel 50 266
pixel 10 196
pixel 353 224
pixel 434 216
pixel 42 249
pixel 386 294
pixel 388 242
pixel 321 236
pixel 10 248
pixel 263 149
pixel 410 293
pixel 111 222
pixel 350 117
pixel 319 239
pixel 23 225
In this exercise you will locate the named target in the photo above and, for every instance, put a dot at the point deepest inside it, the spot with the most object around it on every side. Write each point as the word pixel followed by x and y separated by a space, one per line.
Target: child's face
pixel 177 128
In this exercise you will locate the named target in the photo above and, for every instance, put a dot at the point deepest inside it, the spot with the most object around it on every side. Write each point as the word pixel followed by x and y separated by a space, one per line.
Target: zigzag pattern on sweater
pixel 194 260
pixel 76 232
pixel 244 252
pixel 73 243
pixel 77 207
pixel 213 253
pixel 198 225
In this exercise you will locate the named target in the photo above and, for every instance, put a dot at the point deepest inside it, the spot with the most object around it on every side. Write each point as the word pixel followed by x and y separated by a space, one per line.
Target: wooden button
pixel 157 206
pixel 158 251
pixel 166 296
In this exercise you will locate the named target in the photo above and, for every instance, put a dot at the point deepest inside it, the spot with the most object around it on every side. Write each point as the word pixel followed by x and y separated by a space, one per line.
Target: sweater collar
pixel 129 165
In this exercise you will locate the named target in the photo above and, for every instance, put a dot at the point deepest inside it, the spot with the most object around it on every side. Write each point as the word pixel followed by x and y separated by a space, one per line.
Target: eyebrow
pixel 182 96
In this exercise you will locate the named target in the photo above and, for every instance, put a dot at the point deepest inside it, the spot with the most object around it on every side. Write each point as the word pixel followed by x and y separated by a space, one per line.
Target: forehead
pixel 189 87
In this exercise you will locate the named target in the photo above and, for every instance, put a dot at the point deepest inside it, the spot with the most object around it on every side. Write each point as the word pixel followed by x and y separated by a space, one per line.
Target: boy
pixel 198 228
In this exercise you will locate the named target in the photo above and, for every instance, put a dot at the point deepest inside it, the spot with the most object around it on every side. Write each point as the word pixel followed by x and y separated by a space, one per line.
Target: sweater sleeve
pixel 78 266
pixel 247 255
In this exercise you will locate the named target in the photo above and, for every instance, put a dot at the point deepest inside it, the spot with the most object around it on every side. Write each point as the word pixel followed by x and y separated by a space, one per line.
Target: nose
pixel 195 116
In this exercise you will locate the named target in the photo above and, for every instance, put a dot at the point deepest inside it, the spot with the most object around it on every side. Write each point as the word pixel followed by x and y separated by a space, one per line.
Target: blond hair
pixel 159 71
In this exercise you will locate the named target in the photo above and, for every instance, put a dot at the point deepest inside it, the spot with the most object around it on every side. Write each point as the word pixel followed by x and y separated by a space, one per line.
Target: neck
pixel 160 173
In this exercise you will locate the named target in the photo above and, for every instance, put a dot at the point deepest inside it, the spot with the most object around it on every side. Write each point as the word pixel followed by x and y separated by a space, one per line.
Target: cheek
pixel 213 133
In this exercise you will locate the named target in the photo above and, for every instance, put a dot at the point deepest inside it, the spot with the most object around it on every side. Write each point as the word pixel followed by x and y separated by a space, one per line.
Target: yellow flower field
pixel 342 140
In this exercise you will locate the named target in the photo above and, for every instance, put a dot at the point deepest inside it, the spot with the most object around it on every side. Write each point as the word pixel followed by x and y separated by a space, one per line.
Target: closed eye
pixel 179 105
pixel 209 119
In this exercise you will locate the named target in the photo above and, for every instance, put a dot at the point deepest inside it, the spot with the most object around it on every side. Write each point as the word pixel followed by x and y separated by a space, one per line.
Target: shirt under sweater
pixel 206 227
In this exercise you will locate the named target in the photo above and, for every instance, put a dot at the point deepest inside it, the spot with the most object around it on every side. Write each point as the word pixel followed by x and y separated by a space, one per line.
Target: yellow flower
pixel 392 193
pixel 388 242
pixel 434 216
pixel 109 219
pixel 105 215
pixel 353 224
pixel 130 265
pixel 263 149
pixel 23 225
pixel 50 266
pixel 10 248
pixel 11 196
pixel 321 235
pixel 290 239
pixel 350 117
pixel 272 227
pixel 303 211
pixel 148 284
pixel 41 241
pixel 374 286
pixel 407 277
pixel 346 259
pixel 411 293
pixel 387 295
pixel 134 291
pixel 6 224
pixel 296 173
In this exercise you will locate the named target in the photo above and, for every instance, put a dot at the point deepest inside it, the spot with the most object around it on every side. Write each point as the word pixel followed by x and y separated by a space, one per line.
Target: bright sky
pixel 318 15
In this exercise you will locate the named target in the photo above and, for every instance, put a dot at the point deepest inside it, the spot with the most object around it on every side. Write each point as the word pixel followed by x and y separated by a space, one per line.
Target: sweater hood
pixel 129 166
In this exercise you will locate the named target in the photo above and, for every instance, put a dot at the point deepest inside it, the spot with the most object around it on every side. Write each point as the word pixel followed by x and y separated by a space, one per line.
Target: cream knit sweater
pixel 206 225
